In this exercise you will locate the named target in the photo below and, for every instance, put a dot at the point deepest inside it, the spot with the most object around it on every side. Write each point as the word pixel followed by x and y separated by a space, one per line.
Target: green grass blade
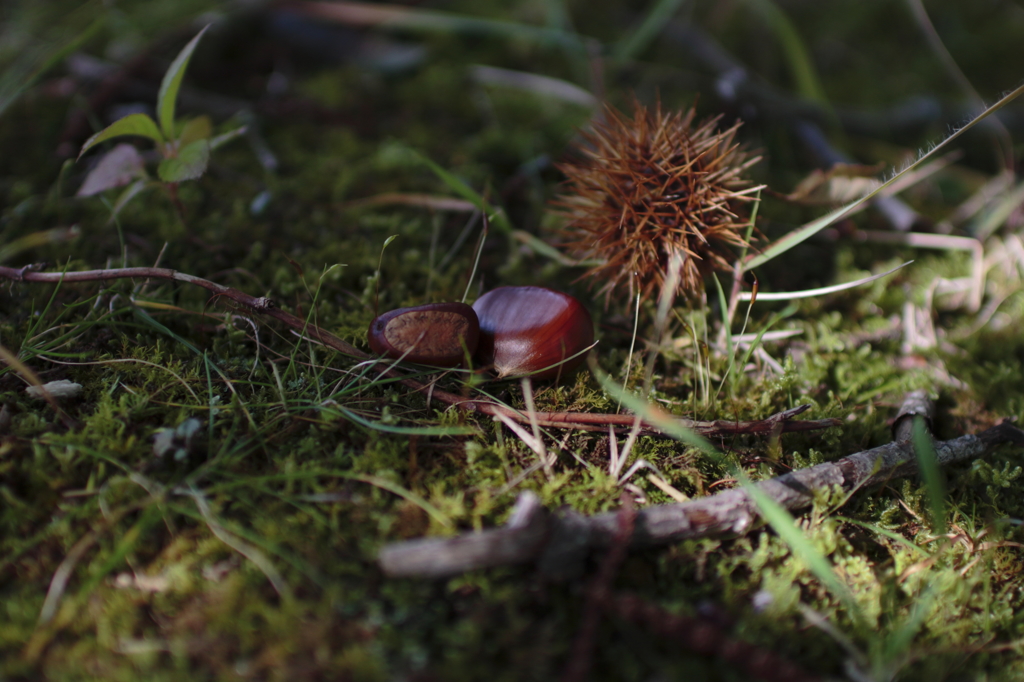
pixel 408 495
pixel 783 523
pixel 407 430
pixel 101 568
pixel 723 306
pixel 476 256
pixel 497 215
pixel 812 228
pixel 821 291
pixel 224 138
pixel 54 235
pixel 798 58
pixel 413 19
pixel 896 537
pixel 257 539
pixel 11 90
pixel 896 645
pixel 126 195
pixel 757 339
pixel 41 315
pixel 376 481
pixel 655 415
pixel 635 43
pixel 777 517
pixel 996 215
pixel 932 475
pixel 148 320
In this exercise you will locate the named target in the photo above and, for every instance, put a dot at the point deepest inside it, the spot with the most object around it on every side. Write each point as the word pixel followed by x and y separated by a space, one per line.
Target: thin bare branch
pixel 728 512
pixel 267 308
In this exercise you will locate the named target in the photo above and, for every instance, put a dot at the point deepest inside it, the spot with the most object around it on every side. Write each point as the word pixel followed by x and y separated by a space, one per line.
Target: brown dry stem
pixel 574 420
pixel 707 639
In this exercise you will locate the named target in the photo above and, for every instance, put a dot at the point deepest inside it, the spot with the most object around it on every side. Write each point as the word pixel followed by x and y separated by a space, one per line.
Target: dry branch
pixel 780 422
pixel 560 541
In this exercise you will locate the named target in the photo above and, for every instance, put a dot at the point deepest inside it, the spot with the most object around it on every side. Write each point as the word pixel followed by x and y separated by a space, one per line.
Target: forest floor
pixel 211 496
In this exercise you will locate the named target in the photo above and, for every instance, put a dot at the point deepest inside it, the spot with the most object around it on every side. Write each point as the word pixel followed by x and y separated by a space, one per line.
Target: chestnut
pixel 529 330
pixel 432 334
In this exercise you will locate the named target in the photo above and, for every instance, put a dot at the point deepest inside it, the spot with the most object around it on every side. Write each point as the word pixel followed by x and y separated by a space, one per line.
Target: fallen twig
pixel 576 420
pixel 707 639
pixel 703 636
pixel 559 541
pixel 599 596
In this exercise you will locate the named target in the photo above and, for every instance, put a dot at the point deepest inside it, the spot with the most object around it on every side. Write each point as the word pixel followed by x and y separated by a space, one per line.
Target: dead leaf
pixel 117 168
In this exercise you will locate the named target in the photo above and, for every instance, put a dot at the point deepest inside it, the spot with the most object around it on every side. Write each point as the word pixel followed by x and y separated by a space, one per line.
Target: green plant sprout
pixel 184 146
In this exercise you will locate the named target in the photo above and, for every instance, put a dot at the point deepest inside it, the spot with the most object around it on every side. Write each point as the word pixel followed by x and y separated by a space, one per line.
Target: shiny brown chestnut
pixel 432 334
pixel 529 330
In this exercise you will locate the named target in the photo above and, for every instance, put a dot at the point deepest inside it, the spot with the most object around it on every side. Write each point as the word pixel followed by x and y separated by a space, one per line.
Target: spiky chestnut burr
pixel 649 187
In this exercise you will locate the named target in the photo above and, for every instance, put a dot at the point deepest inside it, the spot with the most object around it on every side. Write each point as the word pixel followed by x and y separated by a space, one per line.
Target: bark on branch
pixel 561 540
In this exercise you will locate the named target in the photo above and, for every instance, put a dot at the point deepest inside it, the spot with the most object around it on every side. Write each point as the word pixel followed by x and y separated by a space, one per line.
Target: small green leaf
pixel 188 165
pixel 168 97
pixel 228 136
pixel 198 128
pixel 132 124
